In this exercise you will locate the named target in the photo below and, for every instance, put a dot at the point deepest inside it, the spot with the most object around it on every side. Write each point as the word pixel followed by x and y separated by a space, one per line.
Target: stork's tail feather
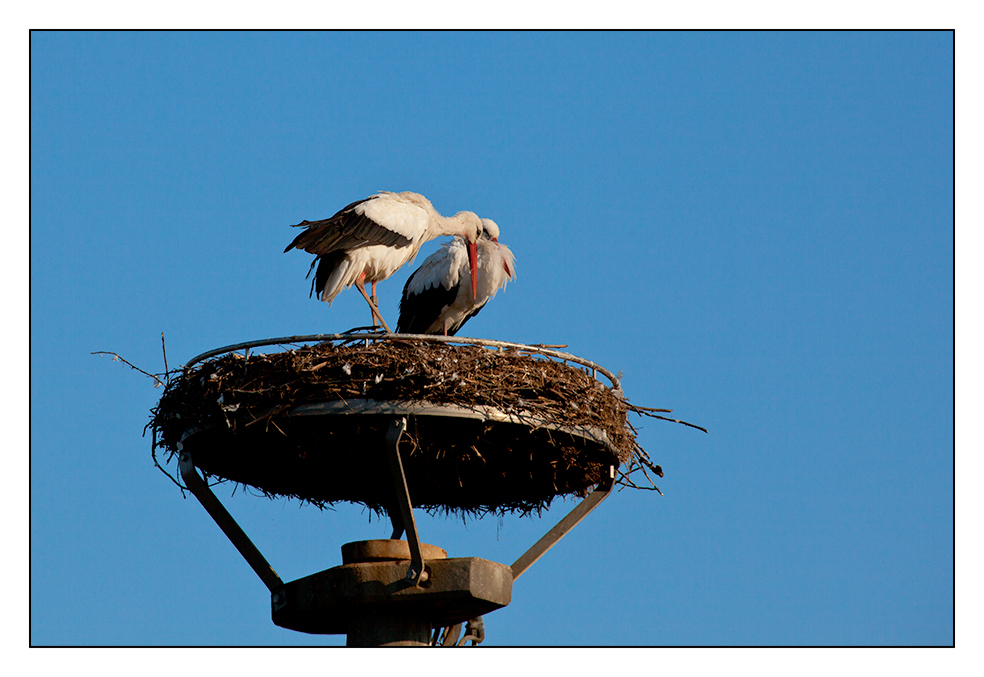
pixel 329 279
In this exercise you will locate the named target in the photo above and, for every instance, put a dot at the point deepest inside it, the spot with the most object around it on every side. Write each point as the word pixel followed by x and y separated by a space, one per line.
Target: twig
pixel 640 408
pixel 644 458
pixel 117 358
pixel 627 482
pixel 164 350
pixel 153 454
pixel 646 475
pixel 641 411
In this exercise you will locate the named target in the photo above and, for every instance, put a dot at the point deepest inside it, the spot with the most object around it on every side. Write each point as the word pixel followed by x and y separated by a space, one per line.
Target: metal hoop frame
pixel 353 336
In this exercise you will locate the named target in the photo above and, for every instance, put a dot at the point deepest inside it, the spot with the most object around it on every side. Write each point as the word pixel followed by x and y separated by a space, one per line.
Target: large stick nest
pixel 237 414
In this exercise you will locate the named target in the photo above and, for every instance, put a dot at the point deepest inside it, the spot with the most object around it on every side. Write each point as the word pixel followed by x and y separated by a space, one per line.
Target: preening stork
pixel 436 298
pixel 371 239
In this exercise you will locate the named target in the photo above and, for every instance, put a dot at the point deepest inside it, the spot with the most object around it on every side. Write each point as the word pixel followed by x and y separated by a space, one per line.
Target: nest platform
pixel 492 427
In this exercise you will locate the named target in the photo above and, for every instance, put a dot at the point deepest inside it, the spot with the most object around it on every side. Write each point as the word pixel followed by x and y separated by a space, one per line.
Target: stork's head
pixel 466 225
pixel 490 230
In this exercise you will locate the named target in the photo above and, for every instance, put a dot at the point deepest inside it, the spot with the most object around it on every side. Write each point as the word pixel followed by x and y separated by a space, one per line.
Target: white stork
pixel 371 239
pixel 436 299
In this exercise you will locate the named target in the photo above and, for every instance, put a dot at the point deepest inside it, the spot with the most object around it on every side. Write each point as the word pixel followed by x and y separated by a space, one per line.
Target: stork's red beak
pixel 473 263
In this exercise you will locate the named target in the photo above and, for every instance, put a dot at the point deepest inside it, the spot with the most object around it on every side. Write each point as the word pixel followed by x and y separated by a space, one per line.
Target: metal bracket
pixel 416 575
pixel 198 487
pixel 474 632
pixel 552 537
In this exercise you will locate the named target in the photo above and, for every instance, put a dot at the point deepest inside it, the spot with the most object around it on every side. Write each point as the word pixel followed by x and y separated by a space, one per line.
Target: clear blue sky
pixel 756 228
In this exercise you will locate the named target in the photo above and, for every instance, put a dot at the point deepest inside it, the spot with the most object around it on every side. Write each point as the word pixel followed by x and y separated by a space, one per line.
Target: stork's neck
pixel 462 223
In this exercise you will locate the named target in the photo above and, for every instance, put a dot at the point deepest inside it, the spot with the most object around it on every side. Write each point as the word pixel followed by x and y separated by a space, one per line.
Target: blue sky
pixel 756 228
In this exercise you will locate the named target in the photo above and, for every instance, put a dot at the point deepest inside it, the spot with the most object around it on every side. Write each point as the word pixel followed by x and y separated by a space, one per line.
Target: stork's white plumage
pixel 436 298
pixel 371 239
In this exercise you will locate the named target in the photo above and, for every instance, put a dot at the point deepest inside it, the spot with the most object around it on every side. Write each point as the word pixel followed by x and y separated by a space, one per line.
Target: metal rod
pixel 552 537
pixel 398 425
pixel 229 527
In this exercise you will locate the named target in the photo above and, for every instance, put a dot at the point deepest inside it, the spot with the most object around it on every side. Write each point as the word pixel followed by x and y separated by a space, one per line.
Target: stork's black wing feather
pixel 419 311
pixel 344 231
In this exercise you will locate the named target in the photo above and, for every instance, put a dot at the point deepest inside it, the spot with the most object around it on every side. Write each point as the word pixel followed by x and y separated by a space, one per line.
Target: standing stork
pixel 436 299
pixel 371 239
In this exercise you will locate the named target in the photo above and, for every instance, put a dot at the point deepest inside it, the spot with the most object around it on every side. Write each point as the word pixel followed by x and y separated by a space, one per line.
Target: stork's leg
pixel 360 284
pixel 375 301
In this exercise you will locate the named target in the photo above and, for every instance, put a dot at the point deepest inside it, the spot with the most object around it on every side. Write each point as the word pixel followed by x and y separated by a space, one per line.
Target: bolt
pixel 412 574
